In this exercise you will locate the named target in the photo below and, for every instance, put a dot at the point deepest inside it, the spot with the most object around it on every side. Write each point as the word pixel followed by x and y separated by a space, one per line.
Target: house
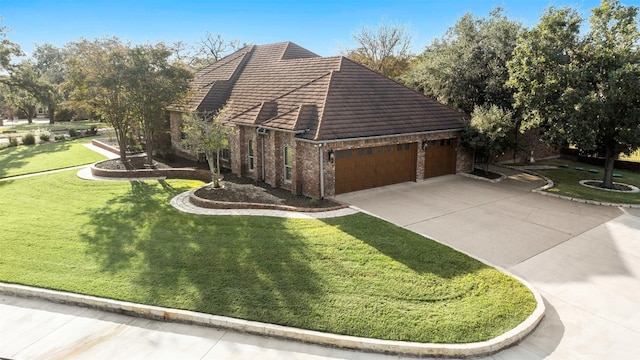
pixel 321 126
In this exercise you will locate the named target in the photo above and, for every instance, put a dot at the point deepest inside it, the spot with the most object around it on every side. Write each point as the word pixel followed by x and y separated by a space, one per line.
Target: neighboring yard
pixel 355 275
pixel 28 159
pixel 567 182
pixel 58 126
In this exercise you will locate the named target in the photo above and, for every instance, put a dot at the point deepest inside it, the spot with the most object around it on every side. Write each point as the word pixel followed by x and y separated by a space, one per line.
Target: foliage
pixel 74 133
pixel 355 275
pixel 489 131
pixel 59 138
pixel 28 139
pixel 585 90
pixel 152 84
pixel 13 141
pixel 209 135
pixel 385 49
pixel 45 137
pixel 98 80
pixel 65 114
pixel 8 51
pixel 467 66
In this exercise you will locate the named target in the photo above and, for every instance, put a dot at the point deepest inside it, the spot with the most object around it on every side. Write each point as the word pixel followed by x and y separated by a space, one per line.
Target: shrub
pixel 13 141
pixel 73 133
pixel 59 138
pixel 45 137
pixel 92 131
pixel 28 139
pixel 64 115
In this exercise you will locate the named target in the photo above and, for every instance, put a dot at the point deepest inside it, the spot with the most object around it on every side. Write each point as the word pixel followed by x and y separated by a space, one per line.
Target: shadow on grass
pixel 246 267
pixel 17 157
pixel 420 254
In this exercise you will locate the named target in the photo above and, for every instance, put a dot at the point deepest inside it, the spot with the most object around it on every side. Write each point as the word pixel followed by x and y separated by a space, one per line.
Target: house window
pixel 288 164
pixel 251 158
pixel 225 154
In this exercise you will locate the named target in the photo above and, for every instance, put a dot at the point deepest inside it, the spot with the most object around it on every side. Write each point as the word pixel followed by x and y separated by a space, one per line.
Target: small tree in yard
pixel 209 135
pixel 489 132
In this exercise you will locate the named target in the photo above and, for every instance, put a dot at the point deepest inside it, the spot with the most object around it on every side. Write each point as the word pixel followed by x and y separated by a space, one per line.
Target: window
pixel 225 154
pixel 288 164
pixel 250 156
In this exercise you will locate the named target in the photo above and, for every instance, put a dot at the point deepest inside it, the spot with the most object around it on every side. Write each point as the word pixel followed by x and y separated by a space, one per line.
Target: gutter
pixel 296 132
pixel 374 137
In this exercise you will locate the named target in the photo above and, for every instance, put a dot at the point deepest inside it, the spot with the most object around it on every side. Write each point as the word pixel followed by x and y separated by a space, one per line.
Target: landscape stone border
pixel 483 348
pixel 550 184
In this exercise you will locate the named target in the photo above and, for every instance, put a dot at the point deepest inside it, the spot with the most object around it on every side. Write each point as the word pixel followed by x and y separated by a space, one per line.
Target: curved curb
pixel 182 203
pixel 493 181
pixel 350 342
pixel 550 184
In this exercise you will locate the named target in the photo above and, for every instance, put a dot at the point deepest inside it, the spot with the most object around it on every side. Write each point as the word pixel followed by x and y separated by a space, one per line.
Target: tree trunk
pixel 51 111
pixel 213 169
pixel 149 146
pixel 122 144
pixel 610 158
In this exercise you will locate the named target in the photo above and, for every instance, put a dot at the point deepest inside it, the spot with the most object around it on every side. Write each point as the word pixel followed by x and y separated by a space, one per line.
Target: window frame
pixel 288 164
pixel 251 159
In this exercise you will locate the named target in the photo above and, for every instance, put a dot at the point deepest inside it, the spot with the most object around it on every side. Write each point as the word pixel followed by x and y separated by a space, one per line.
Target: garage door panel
pixel 440 158
pixel 365 168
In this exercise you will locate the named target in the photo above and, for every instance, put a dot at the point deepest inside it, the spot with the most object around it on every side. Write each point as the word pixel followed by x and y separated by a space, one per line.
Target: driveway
pixel 583 259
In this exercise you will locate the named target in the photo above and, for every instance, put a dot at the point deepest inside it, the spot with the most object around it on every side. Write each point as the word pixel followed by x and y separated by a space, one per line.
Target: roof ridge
pixel 324 104
pixel 218 64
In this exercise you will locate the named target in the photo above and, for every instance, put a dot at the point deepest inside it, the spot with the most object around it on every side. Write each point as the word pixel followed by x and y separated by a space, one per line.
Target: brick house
pixel 321 126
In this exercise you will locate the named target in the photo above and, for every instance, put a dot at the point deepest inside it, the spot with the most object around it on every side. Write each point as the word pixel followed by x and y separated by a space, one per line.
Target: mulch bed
pixel 616 186
pixel 235 189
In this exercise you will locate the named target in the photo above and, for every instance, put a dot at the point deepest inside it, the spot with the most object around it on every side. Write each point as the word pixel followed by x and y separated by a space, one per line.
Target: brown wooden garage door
pixel 440 158
pixel 365 168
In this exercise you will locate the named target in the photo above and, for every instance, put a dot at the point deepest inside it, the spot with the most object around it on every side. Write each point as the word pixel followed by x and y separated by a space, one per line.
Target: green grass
pixel 354 275
pixel 58 126
pixel 22 160
pixel 567 180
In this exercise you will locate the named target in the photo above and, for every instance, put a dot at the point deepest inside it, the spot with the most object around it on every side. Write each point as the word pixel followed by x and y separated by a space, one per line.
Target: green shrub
pixel 13 141
pixel 64 115
pixel 45 137
pixel 92 131
pixel 59 138
pixel 28 139
pixel 74 133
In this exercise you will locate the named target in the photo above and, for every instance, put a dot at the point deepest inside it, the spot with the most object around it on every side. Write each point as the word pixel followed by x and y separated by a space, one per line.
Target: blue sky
pixel 324 27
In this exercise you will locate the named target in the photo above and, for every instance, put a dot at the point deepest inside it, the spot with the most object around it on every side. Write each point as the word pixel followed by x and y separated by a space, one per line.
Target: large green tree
pixel 153 83
pixel 49 63
pixel 98 81
pixel 584 90
pixel 468 65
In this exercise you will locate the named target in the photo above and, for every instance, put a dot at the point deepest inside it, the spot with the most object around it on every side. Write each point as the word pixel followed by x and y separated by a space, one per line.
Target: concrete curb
pixel 342 341
pixel 550 184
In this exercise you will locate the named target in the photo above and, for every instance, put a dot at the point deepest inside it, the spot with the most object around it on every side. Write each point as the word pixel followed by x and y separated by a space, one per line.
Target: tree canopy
pixel 584 90
pixel 385 49
pixel 467 66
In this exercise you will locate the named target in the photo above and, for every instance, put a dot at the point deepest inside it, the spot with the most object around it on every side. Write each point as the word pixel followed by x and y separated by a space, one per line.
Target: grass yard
pixel 22 160
pixel 354 275
pixel 567 182
pixel 58 126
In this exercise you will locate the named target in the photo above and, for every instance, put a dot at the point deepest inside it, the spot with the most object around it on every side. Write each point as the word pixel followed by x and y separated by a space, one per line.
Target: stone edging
pixel 550 184
pixel 173 173
pixel 213 204
pixel 342 341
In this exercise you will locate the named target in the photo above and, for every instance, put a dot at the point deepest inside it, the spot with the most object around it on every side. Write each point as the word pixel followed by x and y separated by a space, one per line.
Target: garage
pixel 440 158
pixel 365 168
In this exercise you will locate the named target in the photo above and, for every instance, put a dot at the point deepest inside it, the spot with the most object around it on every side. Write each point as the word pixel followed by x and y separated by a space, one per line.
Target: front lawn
pixel 354 275
pixel 22 160
pixel 567 182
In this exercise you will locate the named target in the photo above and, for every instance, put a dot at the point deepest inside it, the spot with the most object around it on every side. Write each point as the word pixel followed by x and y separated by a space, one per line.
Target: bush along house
pixel 322 126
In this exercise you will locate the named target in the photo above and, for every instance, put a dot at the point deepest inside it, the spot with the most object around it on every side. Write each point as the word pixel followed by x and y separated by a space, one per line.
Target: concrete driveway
pixel 583 259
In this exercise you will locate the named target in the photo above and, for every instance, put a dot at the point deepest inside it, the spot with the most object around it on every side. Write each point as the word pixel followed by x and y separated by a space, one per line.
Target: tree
pixel 385 49
pixel 468 66
pixel 97 79
pixel 153 83
pixel 49 63
pixel 489 132
pixel 208 134
pixel 8 50
pixel 207 51
pixel 584 90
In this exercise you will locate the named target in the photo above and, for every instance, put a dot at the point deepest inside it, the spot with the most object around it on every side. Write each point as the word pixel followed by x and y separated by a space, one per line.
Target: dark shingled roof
pixel 284 86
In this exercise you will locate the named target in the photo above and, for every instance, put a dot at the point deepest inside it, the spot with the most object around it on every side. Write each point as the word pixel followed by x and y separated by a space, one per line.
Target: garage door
pixel 365 168
pixel 440 158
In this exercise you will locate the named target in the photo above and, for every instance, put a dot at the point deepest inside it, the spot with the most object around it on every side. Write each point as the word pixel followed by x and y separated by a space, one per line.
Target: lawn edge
pixel 483 348
pixel 550 184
